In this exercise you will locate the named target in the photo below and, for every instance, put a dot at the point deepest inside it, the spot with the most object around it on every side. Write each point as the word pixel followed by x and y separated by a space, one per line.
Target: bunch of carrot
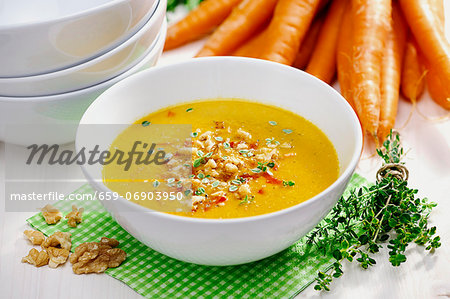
pixel 377 48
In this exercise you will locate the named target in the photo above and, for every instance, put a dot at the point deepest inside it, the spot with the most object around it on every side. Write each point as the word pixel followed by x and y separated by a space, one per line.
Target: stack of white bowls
pixel 57 56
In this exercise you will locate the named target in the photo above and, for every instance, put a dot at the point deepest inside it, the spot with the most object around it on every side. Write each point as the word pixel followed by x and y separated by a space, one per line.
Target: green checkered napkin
pixel 153 274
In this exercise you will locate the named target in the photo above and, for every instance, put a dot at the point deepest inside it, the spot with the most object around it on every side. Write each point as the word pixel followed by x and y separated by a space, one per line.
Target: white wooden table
pixel 422 276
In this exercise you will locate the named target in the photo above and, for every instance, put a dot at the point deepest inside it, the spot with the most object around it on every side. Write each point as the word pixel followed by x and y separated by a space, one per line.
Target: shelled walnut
pixel 51 214
pixel 74 217
pixel 58 248
pixel 36 258
pixel 34 236
pixel 96 257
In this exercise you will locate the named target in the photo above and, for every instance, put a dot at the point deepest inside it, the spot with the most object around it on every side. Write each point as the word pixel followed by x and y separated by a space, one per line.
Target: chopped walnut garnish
pixel 58 248
pixel 35 257
pixel 74 217
pixel 58 240
pixel 51 214
pixel 96 257
pixel 58 256
pixel 35 237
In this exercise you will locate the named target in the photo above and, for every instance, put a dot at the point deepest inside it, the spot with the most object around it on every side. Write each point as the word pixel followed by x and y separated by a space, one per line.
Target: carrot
pixel 413 83
pixel 244 20
pixel 370 27
pixel 344 55
pixel 323 60
pixel 200 21
pixel 426 25
pixel 287 29
pixel 391 72
pixel 252 47
pixel 438 86
pixel 307 46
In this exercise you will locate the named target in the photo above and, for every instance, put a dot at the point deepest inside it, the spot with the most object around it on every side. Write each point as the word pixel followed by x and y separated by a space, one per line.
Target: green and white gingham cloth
pixel 154 275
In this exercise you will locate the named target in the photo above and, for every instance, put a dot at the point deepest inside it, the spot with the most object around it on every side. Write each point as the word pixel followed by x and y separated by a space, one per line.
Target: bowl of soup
pixel 222 160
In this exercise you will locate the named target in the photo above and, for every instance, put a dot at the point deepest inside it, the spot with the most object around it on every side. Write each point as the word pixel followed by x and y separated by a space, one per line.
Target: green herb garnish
pixel 145 123
pixel 200 191
pixel 273 123
pixel 288 183
pixel 198 162
pixel 233 188
pixel 194 134
pixel 247 199
pixel 387 213
pixel 189 109
pixel 287 131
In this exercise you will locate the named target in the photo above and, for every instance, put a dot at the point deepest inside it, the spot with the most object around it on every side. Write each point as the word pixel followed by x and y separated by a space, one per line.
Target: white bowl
pixel 92 72
pixel 54 119
pixel 227 241
pixel 48 35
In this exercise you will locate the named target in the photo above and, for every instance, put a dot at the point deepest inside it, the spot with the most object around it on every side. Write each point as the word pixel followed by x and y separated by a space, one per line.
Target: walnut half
pixel 35 237
pixel 74 217
pixel 96 257
pixel 35 257
pixel 51 214
pixel 58 248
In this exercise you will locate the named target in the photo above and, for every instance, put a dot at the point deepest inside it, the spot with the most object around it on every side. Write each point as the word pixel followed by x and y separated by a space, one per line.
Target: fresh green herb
pixel 209 154
pixel 387 212
pixel 171 180
pixel 200 175
pixel 233 188
pixel 226 145
pixel 189 109
pixel 200 153
pixel 218 138
pixel 247 199
pixel 271 164
pixel 287 131
pixel 272 141
pixel 288 183
pixel 156 183
pixel 200 191
pixel 273 123
pixel 256 170
pixel 187 192
pixel 198 162
pixel 194 134
pixel 215 184
pixel 236 182
pixel 205 181
pixel 243 151
pixel 145 123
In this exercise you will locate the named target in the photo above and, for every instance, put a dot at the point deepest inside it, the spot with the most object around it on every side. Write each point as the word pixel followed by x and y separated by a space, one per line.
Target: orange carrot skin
pixel 287 29
pixel 391 72
pixel 244 20
pixel 252 47
pixel 344 63
pixel 438 86
pixel 429 33
pixel 439 89
pixel 200 21
pixel 413 81
pixel 370 27
pixel 323 60
pixel 307 46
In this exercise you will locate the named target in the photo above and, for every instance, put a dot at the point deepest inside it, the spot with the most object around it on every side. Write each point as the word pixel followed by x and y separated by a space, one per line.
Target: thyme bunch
pixel 386 213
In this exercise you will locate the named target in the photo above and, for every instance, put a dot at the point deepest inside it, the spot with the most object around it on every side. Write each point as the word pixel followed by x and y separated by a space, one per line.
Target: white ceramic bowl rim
pixel 55 97
pixel 137 35
pixel 346 172
pixel 63 18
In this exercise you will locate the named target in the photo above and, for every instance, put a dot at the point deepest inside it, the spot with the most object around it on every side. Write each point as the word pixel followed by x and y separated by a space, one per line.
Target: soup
pixel 246 158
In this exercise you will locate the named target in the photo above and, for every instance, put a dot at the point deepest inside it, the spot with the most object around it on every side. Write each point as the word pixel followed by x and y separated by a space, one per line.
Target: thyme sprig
pixel 386 213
